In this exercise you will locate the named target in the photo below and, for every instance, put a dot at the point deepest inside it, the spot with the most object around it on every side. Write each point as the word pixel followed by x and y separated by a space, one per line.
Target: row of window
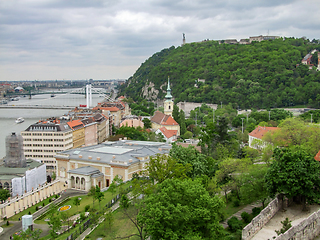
pixel 40 156
pixel 46 140
pixel 47 145
pixel 45 150
pixel 42 134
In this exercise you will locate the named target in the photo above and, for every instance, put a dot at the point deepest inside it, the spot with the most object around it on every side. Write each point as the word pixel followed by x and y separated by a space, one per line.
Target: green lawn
pixel 121 227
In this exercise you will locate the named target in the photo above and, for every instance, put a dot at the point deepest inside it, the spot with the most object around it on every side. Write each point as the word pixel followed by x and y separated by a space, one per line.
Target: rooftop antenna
pixel 183 39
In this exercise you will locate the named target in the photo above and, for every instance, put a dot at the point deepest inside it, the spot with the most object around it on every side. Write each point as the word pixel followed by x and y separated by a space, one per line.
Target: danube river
pixel 8 116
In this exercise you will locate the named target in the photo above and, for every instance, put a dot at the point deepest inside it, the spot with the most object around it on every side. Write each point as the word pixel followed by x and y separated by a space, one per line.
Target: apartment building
pixel 42 140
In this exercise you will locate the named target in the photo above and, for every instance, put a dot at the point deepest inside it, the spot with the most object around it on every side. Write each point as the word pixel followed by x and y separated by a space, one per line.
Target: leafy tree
pixel 182 209
pixel 295 132
pixel 147 123
pixel 201 164
pixel 182 123
pixel 4 194
pixel 131 211
pixel 54 223
pixel 77 202
pixel 215 137
pixel 28 235
pixel 294 172
pixel 286 225
pixel 175 114
pixel 227 175
pixel 132 133
pixel 99 195
pixel 92 193
pixel 162 167
pixel 253 186
pixel 109 219
pixel 65 218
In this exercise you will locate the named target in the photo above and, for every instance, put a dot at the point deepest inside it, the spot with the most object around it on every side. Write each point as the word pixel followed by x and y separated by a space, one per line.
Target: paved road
pixel 17 225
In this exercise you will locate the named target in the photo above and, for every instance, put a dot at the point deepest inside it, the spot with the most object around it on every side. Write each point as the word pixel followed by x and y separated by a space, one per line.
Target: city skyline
pixel 66 40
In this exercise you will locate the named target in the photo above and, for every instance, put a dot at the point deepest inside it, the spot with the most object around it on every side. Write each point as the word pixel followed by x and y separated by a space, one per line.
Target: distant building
pixel 160 120
pixel 262 38
pixel 42 140
pixel 255 137
pixel 77 133
pixel 169 135
pixel 132 121
pixel 98 165
pixel 18 174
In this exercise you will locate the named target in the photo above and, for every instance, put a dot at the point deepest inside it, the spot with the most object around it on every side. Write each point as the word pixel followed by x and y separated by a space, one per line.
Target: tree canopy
pixel 295 173
pixel 261 74
pixel 182 209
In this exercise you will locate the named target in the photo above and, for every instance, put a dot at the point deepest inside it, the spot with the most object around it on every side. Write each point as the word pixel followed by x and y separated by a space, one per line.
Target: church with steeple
pixel 168 103
pixel 163 122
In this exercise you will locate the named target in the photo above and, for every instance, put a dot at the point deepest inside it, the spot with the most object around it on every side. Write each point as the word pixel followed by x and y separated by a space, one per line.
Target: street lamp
pixel 269 115
pixel 242 124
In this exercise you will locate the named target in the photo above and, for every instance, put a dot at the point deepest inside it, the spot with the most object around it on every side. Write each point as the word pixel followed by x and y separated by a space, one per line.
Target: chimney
pixel 113 156
pixel 130 160
pixel 98 158
pixel 80 156
pixel 90 157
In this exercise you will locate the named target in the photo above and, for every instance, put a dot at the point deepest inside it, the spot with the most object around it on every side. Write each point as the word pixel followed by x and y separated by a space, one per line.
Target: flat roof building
pixel 98 165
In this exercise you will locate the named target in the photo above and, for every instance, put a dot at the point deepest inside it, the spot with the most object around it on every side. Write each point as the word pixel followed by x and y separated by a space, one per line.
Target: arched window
pixel 6 185
pixel 0 185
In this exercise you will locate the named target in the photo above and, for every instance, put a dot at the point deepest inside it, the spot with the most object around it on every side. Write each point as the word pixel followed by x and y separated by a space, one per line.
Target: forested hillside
pixel 260 75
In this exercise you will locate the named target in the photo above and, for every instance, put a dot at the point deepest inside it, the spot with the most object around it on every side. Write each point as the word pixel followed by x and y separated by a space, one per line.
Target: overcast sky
pixel 83 39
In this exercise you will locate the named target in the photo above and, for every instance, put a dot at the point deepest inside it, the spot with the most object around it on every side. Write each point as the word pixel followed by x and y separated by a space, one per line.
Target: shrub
pixel 8 223
pixel 234 224
pixel 49 200
pixel 86 208
pixel 37 208
pixel 256 211
pixel 236 203
pixel 43 204
pixel 29 213
pixel 246 217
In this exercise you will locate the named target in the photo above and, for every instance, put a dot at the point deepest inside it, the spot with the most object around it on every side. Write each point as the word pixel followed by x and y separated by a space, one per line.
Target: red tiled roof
pixel 75 124
pixel 317 157
pixel 111 109
pixel 168 133
pixel 259 132
pixel 163 119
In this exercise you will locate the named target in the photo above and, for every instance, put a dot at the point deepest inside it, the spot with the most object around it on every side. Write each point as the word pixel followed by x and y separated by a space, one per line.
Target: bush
pixel 50 200
pixel 234 224
pixel 43 204
pixel 246 217
pixel 256 211
pixel 37 208
pixel 86 208
pixel 29 213
pixel 8 223
pixel 236 203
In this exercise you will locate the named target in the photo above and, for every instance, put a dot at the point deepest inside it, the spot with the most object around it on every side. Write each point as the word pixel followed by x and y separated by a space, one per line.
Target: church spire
pixel 168 96
pixel 168 103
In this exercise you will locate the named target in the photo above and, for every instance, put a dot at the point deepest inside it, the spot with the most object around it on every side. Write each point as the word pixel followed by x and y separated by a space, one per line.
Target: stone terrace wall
pixel 307 229
pixel 259 221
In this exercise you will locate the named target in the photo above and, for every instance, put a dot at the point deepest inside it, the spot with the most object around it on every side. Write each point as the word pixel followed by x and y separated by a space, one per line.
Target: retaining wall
pixel 259 221
pixel 307 229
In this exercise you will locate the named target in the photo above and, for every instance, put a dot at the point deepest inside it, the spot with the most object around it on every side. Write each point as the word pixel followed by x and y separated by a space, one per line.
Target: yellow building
pixel 98 165
pixel 78 133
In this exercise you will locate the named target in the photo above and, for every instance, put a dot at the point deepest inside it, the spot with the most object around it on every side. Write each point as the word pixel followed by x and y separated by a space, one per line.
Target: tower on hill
pixel 168 103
